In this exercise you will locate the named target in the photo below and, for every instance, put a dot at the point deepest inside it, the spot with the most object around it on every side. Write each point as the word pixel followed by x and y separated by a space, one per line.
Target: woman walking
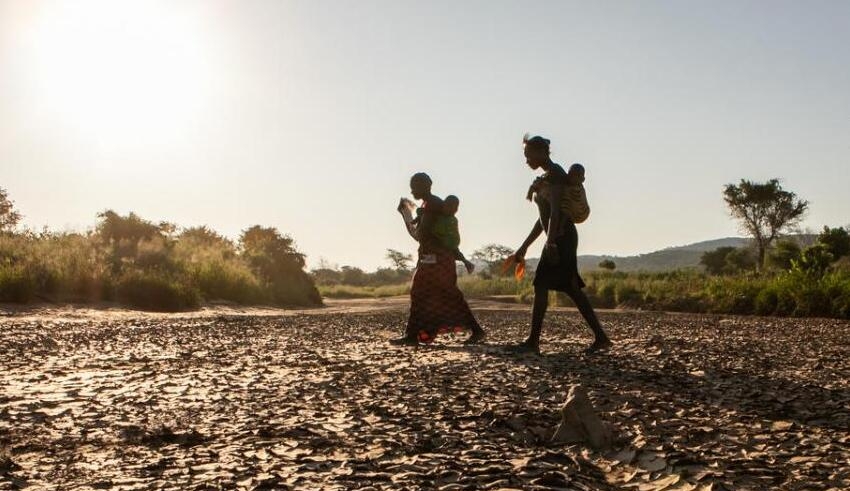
pixel 558 268
pixel 435 300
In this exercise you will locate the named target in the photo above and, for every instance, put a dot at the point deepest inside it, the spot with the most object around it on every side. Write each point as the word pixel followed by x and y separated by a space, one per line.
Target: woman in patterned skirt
pixel 435 301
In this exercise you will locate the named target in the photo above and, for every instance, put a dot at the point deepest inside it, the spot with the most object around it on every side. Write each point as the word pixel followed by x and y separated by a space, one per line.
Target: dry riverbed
pixel 317 399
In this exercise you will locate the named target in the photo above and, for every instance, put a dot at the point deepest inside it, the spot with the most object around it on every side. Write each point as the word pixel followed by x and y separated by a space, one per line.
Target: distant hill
pixel 678 257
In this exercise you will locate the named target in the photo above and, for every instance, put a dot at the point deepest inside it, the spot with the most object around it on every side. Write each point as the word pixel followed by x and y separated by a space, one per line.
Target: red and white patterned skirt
pixel 436 303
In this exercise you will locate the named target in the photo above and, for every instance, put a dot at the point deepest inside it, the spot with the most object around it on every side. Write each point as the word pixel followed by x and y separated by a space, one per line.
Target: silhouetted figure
pixel 447 231
pixel 558 267
pixel 435 300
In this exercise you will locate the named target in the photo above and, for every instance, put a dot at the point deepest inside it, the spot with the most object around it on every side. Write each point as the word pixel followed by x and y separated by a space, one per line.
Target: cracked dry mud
pixel 319 400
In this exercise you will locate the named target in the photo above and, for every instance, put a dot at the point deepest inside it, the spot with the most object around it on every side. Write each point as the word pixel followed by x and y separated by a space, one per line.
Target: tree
pixel 715 261
pixel 274 258
pixel 116 229
pixel 204 236
pixel 326 276
pixel 836 241
pixel 493 255
pixel 740 259
pixel 352 275
pixel 399 260
pixel 727 260
pixel 608 264
pixel 127 238
pixel 765 210
pixel 9 217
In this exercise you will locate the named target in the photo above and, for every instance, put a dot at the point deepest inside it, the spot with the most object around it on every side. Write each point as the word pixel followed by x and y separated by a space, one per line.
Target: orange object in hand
pixel 519 267
pixel 519 272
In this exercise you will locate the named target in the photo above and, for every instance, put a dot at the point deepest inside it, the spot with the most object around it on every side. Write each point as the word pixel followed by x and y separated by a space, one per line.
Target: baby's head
pixel 450 204
pixel 576 174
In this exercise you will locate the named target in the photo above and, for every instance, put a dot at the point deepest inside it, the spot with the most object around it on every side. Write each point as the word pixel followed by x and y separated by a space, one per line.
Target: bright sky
pixel 310 116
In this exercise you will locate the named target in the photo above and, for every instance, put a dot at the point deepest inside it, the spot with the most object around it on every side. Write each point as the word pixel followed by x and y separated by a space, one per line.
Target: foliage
pixel 399 260
pixel 9 217
pixel 783 254
pixel 493 255
pixel 214 266
pixel 608 264
pixel 153 290
pixel 350 291
pixel 765 210
pixel 836 241
pixel 715 261
pixel 151 266
pixel 795 293
pixel 274 259
pixel 814 260
pixel 740 260
pixel 727 260
pixel 787 293
pixel 55 267
pixel 356 277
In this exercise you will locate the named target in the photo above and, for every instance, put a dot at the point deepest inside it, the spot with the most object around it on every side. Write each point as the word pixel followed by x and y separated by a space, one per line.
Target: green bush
pixel 783 294
pixel 798 293
pixel 628 295
pixel 58 267
pixel 132 260
pixel 227 280
pixel 767 301
pixel 16 285
pixel 156 291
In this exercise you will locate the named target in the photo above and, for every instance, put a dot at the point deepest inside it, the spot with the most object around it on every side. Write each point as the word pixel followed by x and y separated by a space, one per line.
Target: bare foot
pixel 599 345
pixel 477 337
pixel 404 341
pixel 525 348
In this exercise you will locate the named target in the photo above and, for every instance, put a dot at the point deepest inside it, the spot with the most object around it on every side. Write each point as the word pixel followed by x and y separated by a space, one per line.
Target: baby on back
pixel 573 198
pixel 446 229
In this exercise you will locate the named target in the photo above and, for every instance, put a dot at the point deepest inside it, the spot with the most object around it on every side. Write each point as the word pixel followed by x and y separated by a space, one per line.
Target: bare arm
pixel 412 230
pixel 459 255
pixel 409 222
pixel 532 236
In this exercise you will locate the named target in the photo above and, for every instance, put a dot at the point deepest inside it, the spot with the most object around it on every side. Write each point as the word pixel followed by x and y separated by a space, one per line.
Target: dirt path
pixel 266 399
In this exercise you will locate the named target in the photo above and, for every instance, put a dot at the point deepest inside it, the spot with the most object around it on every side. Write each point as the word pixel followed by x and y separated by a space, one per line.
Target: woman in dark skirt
pixel 558 267
pixel 436 303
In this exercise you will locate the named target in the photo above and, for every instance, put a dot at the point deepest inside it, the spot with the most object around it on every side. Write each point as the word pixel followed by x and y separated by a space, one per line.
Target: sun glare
pixel 118 71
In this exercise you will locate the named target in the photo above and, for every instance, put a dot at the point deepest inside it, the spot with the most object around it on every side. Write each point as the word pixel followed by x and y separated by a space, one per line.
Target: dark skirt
pixel 562 273
pixel 436 303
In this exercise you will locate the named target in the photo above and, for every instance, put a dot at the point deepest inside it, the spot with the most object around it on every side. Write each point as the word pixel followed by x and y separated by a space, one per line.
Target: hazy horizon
pixel 311 116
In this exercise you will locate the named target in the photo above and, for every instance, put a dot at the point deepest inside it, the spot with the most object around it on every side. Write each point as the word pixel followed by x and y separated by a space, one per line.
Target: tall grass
pixel 791 293
pixel 477 286
pixel 139 264
pixel 351 291
pixel 58 267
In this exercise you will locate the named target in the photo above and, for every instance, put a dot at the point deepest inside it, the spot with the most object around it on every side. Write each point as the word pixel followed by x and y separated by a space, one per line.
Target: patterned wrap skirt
pixel 436 303
pixel 560 273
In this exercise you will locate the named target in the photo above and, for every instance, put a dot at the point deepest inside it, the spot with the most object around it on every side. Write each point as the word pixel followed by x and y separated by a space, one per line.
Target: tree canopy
pixel 765 210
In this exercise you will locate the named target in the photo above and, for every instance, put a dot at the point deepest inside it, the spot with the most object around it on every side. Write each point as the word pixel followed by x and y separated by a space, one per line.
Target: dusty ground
pixel 260 399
